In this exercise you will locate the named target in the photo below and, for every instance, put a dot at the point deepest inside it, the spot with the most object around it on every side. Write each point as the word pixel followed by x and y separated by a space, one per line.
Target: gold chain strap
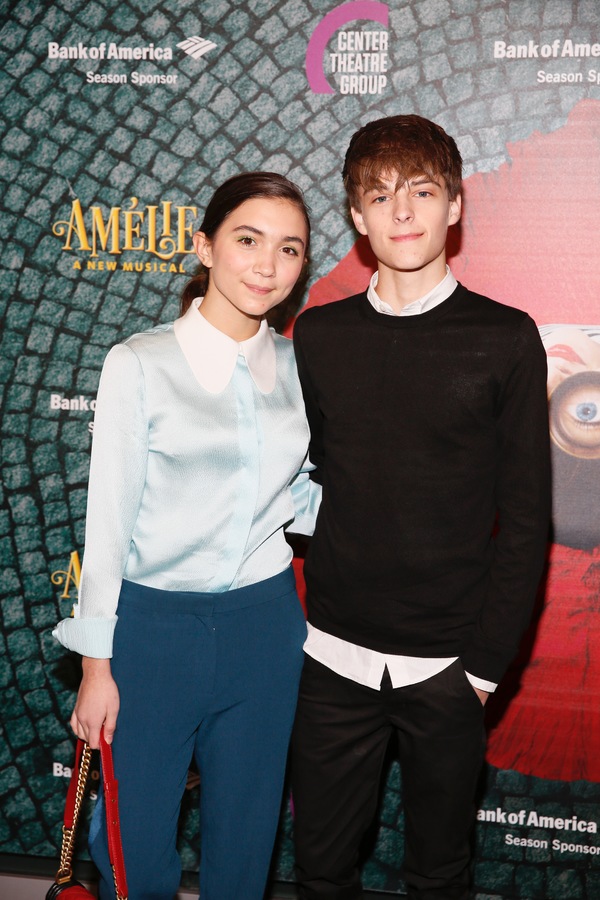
pixel 68 842
pixel 118 895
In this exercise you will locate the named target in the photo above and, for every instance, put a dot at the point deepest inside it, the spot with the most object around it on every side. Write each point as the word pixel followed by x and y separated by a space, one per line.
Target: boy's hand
pixel 483 695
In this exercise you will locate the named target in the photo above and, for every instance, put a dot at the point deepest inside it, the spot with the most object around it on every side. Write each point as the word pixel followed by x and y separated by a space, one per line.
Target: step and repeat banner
pixel 117 122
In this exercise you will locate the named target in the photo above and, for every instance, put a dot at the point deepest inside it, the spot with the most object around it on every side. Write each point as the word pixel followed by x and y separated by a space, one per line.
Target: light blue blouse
pixel 198 465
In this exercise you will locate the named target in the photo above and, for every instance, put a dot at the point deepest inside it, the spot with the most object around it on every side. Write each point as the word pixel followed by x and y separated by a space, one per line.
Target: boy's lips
pixel 402 238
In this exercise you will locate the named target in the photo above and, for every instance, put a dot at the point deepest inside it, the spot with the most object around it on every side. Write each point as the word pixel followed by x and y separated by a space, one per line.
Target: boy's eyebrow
pixel 412 182
pixel 289 239
pixel 423 179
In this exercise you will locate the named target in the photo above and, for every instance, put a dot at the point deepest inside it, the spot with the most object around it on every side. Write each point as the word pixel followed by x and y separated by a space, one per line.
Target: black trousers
pixel 339 743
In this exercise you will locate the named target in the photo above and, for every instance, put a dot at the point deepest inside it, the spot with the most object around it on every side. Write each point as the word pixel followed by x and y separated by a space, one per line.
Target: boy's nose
pixel 403 210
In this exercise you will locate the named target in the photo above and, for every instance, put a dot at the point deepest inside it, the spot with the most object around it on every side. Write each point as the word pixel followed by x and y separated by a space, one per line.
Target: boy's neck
pixel 400 288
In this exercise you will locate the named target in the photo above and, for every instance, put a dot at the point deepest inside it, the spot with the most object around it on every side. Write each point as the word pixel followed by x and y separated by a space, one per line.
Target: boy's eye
pixel 381 198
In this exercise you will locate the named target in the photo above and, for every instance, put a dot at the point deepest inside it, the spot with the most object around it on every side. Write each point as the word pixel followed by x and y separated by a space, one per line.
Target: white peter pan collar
pixel 212 355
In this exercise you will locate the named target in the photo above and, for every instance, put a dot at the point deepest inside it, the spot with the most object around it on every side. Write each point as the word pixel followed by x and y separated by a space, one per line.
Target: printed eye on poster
pixel 117 125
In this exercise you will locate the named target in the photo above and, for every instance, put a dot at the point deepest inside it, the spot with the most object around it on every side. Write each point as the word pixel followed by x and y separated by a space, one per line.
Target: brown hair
pixel 408 145
pixel 231 194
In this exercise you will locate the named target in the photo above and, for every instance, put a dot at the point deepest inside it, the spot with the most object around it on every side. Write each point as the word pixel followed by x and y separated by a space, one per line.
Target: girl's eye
pixel 246 241
pixel 290 251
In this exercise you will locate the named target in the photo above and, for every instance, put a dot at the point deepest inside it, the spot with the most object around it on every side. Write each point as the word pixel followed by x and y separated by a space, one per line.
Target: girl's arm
pixel 117 477
pixel 116 484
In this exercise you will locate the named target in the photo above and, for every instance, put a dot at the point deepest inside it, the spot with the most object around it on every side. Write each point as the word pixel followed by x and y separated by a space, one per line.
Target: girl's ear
pixel 203 248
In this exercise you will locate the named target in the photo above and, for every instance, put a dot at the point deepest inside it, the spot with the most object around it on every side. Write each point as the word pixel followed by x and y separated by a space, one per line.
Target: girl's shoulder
pixel 151 339
pixel 284 347
pixel 280 340
pixel 137 353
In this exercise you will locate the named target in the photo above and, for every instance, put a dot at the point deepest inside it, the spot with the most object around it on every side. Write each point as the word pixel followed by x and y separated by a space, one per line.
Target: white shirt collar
pixel 212 355
pixel 432 299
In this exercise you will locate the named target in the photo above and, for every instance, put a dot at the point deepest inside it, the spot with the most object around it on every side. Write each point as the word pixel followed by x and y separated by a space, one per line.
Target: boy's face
pixel 407 223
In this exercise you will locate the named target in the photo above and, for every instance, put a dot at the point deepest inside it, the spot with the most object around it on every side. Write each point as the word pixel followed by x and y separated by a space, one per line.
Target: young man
pixel 428 414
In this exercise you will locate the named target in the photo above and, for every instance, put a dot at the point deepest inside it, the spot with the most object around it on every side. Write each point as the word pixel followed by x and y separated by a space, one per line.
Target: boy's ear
pixel 203 248
pixel 455 210
pixel 358 220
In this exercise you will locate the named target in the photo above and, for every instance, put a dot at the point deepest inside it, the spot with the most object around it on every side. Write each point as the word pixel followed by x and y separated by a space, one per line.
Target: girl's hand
pixel 97 703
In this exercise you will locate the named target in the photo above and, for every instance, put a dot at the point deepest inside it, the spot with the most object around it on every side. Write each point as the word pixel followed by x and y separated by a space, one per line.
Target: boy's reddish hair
pixel 408 145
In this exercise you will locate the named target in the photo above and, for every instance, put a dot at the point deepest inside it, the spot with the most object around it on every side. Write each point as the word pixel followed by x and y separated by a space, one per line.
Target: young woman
pixel 188 620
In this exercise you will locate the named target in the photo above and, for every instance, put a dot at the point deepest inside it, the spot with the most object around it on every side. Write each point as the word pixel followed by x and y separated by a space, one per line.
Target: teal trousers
pixel 213 677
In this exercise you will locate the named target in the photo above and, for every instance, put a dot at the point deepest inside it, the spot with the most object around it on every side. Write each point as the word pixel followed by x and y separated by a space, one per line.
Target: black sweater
pixel 430 436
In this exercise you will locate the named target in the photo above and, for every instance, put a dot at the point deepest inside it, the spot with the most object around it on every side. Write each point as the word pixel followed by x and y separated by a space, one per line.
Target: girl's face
pixel 254 261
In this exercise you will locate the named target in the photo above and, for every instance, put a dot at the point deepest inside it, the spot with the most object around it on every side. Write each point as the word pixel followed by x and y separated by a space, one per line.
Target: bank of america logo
pixel 196 46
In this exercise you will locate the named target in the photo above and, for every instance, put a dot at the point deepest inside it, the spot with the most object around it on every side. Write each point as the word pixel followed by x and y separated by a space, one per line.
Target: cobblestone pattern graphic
pixel 244 105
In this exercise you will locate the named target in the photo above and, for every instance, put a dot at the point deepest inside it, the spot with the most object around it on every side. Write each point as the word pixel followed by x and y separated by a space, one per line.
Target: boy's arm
pixel 313 412
pixel 523 504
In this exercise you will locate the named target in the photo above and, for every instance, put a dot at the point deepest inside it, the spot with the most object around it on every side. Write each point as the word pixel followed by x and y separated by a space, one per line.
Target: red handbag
pixel 65 886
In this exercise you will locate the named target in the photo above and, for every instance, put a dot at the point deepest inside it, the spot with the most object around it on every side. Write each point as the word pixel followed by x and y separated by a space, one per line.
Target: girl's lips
pixel 564 351
pixel 257 289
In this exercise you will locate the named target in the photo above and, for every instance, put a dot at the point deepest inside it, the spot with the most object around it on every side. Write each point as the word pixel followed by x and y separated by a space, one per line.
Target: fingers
pixel 94 736
pixel 77 727
pixel 88 732
pixel 110 724
pixel 97 704
pixel 483 695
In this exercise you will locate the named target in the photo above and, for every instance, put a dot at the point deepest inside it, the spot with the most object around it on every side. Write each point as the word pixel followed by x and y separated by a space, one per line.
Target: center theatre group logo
pixel 360 59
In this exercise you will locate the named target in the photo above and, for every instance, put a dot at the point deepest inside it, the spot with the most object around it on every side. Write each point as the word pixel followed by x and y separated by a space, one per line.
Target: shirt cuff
pixel 89 637
pixel 480 683
pixel 306 495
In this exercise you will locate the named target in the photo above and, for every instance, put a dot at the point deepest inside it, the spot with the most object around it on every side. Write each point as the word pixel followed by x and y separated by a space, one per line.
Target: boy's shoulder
pixel 335 312
pixel 487 304
pixel 491 311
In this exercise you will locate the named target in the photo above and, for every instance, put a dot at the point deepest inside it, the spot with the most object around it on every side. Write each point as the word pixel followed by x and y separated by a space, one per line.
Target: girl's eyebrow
pixel 290 239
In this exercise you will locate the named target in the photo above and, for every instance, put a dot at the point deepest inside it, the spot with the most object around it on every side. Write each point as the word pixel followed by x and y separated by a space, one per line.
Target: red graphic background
pixel 529 237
